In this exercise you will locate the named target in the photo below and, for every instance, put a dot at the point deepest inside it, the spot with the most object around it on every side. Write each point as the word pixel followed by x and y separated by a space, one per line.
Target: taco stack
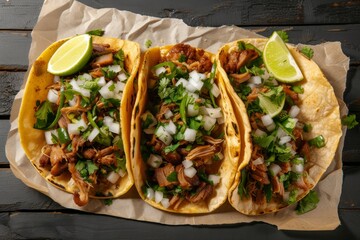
pixel 184 138
pixel 75 129
pixel 289 133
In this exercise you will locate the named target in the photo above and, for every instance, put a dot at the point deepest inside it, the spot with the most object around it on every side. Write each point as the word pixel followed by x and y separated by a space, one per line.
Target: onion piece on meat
pixel 190 172
pixel 53 96
pixel 150 193
pixel 93 134
pixel 113 177
pixel 168 114
pixel 48 136
pixel 190 134
pixel 192 110
pixel 214 178
pixel 209 122
pixel 159 71
pixel 267 120
pixel 274 169
pixel 158 196
pixel 154 160
pixel 163 135
pixel 187 163
pixel 258 161
pixel 294 111
pixel 170 128
pixel 215 91
pixel 165 202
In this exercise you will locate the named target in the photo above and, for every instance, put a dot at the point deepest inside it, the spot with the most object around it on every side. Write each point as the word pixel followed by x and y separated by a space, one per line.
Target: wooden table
pixel 26 213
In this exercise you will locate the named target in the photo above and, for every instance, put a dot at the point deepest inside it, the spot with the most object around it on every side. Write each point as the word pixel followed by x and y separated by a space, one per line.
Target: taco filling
pixel 81 123
pixel 182 129
pixel 277 170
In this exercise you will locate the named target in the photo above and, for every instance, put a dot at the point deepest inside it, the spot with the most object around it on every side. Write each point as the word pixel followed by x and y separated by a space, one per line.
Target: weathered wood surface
pixel 23 14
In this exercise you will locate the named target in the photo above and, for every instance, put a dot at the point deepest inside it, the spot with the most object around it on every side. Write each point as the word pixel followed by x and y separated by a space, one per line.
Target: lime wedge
pixel 279 61
pixel 70 57
pixel 270 107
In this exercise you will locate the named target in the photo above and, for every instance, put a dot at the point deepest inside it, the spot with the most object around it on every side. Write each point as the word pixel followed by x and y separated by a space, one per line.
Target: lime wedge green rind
pixel 269 107
pixel 72 56
pixel 279 61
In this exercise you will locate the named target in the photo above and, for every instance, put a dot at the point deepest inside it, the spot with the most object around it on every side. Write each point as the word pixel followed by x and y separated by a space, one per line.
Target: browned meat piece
pixel 205 64
pixel 63 122
pixel 230 65
pixel 285 167
pixel 45 157
pixel 260 197
pixel 293 95
pixel 103 60
pixel 184 181
pixel 101 49
pixel 305 150
pixel 172 157
pixel 96 73
pixel 202 193
pixel 161 175
pixel 163 109
pixel 260 176
pixel 278 186
pixel 89 153
pixel 181 49
pixel 240 77
pixel 183 151
pixel 59 168
pixel 212 140
pixel 301 183
pixel 235 60
pixel 108 160
pixel 176 201
pixel 81 198
pixel 77 142
pixel 56 155
pixel 104 152
pixel 200 152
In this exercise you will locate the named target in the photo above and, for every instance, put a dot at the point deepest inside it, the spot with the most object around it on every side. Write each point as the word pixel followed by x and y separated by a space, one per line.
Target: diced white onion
pixel 150 193
pixel 168 114
pixel 202 76
pixel 182 81
pixel 115 68
pixel 255 80
pixel 93 134
pixel 48 136
pixel 101 81
pixel 271 127
pixel 220 155
pixel 251 85
pixel 170 128
pixel 81 123
pixel 158 196
pixel 209 122
pixel 105 92
pixel 72 102
pixel 215 90
pixel 163 135
pixel 113 177
pixel 119 87
pixel 195 80
pixel 190 87
pixel 107 120
pixel 114 127
pixel 190 172
pixel 122 77
pixel 187 163
pixel 202 110
pixel 267 120
pixel 294 111
pixel 297 168
pixel 165 202
pixel 220 120
pixel 193 96
pixel 259 133
pixel 284 140
pixel 73 129
pixel 214 178
pixel 154 160
pixel 191 111
pixel 122 173
pixel 56 78
pixel 52 96
pixel 76 87
pixel 149 130
pixel 159 71
pixel 280 133
pixel 199 118
pixel 85 76
pixel 258 161
pixel 274 169
pixel 214 112
pixel 190 134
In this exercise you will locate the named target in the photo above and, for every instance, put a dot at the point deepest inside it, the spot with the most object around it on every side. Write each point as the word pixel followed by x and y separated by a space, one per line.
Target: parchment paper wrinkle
pixel 61 19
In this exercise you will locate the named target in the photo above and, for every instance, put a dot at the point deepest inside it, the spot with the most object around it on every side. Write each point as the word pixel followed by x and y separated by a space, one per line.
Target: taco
pixel 184 138
pixel 75 129
pixel 285 153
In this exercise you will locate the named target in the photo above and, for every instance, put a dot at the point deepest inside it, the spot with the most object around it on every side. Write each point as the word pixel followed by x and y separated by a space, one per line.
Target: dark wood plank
pixel 16 196
pixel 10 86
pixel 14 49
pixel 23 14
pixel 4 130
pixel 47 225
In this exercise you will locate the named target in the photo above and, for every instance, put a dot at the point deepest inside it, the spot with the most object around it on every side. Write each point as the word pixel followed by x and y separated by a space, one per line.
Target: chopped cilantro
pixel 307 51
pixel 119 58
pixel 349 121
pixel 44 115
pixel 268 192
pixel 308 203
pixel 148 43
pixel 96 32
pixel 195 124
pixel 108 201
pixel 172 177
pixel 307 127
pixel 292 197
pixel 256 71
pixel 111 87
pixel 171 148
pixel 86 168
pixel 163 90
pixel 284 36
pixel 241 45
pixel 108 73
pixel 298 89
pixel 264 141
pixel 242 185
pixel 318 141
pixel 182 58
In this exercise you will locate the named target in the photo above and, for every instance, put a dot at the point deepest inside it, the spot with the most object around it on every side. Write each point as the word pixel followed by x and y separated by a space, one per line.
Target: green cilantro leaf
pixel 307 51
pixel 242 185
pixel 292 197
pixel 308 203
pixel 111 87
pixel 182 58
pixel 96 32
pixel 349 121
pixel 108 201
pixel 318 141
pixel 148 43
pixel 171 148
pixel 298 89
pixel 307 127
pixel 172 177
pixel 284 36
pixel 44 115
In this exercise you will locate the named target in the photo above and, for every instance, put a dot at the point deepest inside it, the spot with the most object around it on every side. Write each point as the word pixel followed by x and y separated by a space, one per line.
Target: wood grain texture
pixel 48 225
pixel 22 14
pixel 4 130
pixel 10 86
